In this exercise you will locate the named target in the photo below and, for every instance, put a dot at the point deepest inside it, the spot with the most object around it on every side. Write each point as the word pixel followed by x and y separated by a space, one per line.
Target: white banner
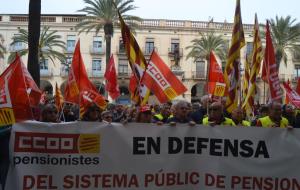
pixel 87 155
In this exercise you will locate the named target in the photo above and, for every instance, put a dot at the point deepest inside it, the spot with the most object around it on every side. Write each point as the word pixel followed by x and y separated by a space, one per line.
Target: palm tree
pixel 201 48
pixel 103 14
pixel 2 48
pixel 49 40
pixel 286 36
pixel 34 26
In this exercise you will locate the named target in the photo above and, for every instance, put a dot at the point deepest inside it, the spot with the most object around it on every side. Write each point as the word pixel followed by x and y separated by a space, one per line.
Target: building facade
pixel 165 36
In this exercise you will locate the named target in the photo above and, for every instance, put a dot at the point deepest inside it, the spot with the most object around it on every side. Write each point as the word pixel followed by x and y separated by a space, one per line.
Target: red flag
pixel 215 73
pixel 111 79
pixel 79 88
pixel 161 81
pixel 298 86
pixel 32 89
pixel 292 95
pixel 272 71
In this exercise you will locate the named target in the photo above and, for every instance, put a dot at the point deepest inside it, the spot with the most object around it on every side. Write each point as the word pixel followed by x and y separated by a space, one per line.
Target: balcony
pixel 64 72
pixel 171 52
pixel 46 72
pixel 124 74
pixel 15 48
pixel 121 50
pixel 96 51
pixel 96 73
pixel 148 51
pixel 70 49
pixel 199 75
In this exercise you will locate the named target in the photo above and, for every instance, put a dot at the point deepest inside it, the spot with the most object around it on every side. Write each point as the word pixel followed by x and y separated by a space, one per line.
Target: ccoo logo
pixel 57 143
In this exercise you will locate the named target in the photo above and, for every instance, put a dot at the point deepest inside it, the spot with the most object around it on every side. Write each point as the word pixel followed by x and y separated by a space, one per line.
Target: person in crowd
pixel 263 111
pixel 180 114
pixel 131 114
pixel 144 115
pixel 238 117
pixel 68 115
pixel 49 113
pixel 216 116
pixel 274 117
pixel 164 114
pixel 205 101
pixel 197 113
pixel 106 117
pixel 119 113
pixel 289 112
pixel 92 113
pixel 156 109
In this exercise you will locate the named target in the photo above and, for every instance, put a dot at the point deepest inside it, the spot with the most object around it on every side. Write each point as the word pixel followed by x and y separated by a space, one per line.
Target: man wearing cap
pixel 144 115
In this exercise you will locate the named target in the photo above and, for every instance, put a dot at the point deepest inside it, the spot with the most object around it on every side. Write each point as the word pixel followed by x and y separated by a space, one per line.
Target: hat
pixel 145 108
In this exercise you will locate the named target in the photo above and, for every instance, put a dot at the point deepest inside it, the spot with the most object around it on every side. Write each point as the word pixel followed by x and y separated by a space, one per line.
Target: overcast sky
pixel 200 10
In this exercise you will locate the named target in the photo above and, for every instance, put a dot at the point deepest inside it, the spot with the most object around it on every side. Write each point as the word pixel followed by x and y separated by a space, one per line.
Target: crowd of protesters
pixel 205 112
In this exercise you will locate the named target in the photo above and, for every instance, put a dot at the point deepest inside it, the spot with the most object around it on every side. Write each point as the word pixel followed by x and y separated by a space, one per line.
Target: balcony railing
pixel 199 74
pixel 96 73
pixel 46 72
pixel 70 49
pixel 121 50
pixel 148 51
pixel 125 74
pixel 94 50
pixel 64 72
pixel 171 52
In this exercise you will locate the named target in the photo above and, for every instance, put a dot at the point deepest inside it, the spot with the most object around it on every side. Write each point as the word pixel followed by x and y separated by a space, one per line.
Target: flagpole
pixel 207 80
pixel 264 92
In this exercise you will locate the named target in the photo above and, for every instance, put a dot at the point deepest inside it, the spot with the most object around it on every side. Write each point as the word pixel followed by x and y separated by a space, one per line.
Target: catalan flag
pixel 232 73
pixel 137 62
pixel 257 57
pixel 246 84
pixel 59 99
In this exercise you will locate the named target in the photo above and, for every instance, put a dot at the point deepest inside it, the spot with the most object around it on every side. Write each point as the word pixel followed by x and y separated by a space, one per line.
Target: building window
pixel 174 45
pixel 71 43
pixel 149 45
pixel 96 65
pixel 121 46
pixel 44 64
pixel 97 44
pixel 123 66
pixel 297 71
pixel 296 55
pixel 200 69
pixel 249 48
pixel 17 45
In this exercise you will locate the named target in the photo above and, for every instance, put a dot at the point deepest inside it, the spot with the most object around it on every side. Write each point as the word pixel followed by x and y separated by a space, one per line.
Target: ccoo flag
pixel 79 89
pixel 161 81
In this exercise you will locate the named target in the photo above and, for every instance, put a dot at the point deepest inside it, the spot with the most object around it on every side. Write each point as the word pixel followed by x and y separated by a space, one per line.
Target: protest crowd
pixel 82 102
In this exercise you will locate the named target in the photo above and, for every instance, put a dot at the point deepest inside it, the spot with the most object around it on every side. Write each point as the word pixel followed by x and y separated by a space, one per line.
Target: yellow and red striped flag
pixel 232 73
pixel 59 99
pixel 246 84
pixel 257 57
pixel 137 62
